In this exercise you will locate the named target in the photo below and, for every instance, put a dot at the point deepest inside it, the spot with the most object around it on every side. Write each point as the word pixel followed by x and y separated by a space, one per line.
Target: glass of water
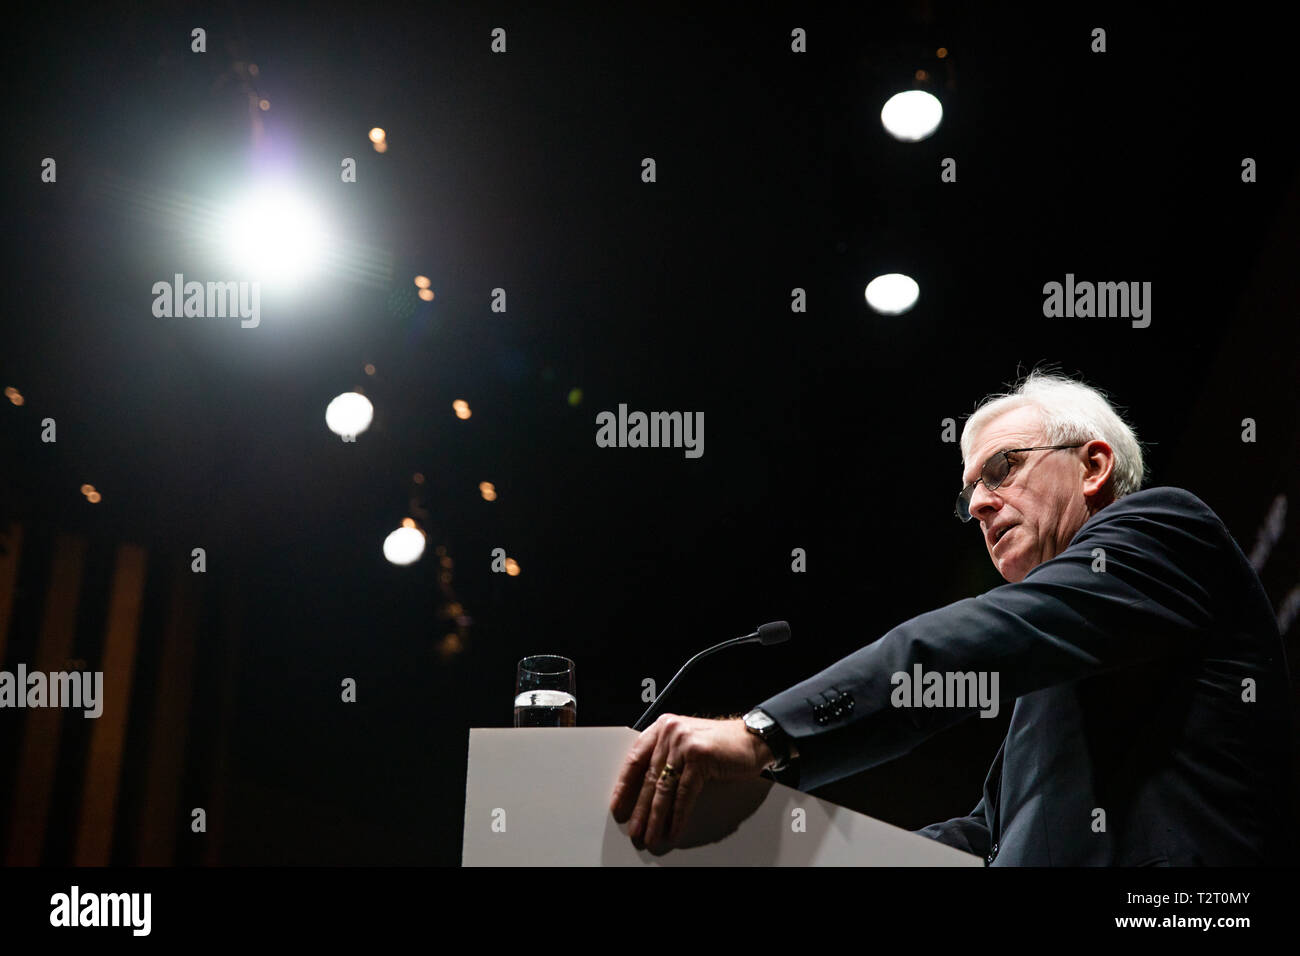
pixel 544 692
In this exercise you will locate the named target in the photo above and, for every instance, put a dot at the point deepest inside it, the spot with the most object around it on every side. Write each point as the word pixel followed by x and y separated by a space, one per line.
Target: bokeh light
pixel 349 414
pixel 911 116
pixel 892 294
pixel 404 546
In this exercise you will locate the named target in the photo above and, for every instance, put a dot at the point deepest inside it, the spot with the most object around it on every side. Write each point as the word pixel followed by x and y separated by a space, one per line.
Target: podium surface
pixel 539 796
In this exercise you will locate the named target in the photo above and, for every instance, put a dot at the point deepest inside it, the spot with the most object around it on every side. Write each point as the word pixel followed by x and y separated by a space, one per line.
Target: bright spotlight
pixel 404 546
pixel 892 294
pixel 274 235
pixel 911 116
pixel 349 414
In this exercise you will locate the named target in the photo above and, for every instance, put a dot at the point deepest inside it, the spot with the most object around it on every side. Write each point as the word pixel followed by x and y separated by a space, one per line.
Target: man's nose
pixel 984 504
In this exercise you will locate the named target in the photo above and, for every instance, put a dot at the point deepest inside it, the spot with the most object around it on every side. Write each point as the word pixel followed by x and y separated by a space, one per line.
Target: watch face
pixel 758 720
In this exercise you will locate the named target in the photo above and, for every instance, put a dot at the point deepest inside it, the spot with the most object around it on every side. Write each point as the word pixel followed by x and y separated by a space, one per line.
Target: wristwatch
pixel 758 722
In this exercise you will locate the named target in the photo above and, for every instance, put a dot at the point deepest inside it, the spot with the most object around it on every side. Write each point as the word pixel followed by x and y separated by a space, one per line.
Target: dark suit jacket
pixel 1128 686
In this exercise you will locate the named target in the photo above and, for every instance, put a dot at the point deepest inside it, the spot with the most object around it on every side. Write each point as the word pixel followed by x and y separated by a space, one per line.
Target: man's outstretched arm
pixel 1066 620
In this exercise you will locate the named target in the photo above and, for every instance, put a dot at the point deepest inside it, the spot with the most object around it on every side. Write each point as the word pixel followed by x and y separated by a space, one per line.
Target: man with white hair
pixel 1152 715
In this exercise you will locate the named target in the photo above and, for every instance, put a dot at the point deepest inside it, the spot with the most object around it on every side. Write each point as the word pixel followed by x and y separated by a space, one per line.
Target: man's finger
pixel 661 804
pixel 630 778
pixel 688 791
pixel 649 780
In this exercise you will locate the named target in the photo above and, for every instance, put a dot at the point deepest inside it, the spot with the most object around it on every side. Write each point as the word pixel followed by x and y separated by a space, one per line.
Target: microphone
pixel 774 632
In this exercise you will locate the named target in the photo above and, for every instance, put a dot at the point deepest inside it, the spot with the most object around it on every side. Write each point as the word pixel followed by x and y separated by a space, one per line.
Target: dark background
pixel 522 171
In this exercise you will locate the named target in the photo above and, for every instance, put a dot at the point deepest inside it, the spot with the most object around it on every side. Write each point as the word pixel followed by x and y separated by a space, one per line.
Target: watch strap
pixel 779 742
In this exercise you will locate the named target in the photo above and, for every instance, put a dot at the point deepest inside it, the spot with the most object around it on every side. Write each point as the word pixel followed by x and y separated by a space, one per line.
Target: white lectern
pixel 539 796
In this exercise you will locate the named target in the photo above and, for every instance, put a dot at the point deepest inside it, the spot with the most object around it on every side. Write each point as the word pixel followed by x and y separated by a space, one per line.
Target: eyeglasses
pixel 995 472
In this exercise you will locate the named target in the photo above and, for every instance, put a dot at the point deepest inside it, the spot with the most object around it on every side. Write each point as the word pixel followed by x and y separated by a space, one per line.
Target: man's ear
pixel 1098 466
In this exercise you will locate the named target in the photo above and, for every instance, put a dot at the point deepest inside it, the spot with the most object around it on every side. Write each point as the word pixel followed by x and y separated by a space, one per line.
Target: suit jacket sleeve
pixel 969 833
pixel 1066 620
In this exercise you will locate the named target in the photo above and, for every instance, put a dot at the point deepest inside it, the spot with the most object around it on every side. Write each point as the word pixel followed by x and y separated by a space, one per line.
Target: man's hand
pixel 696 751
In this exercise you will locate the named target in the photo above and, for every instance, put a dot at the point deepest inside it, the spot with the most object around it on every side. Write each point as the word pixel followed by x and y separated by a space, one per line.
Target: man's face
pixel 1041 501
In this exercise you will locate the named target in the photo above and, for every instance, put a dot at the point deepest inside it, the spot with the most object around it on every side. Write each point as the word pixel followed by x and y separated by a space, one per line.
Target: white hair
pixel 1070 412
